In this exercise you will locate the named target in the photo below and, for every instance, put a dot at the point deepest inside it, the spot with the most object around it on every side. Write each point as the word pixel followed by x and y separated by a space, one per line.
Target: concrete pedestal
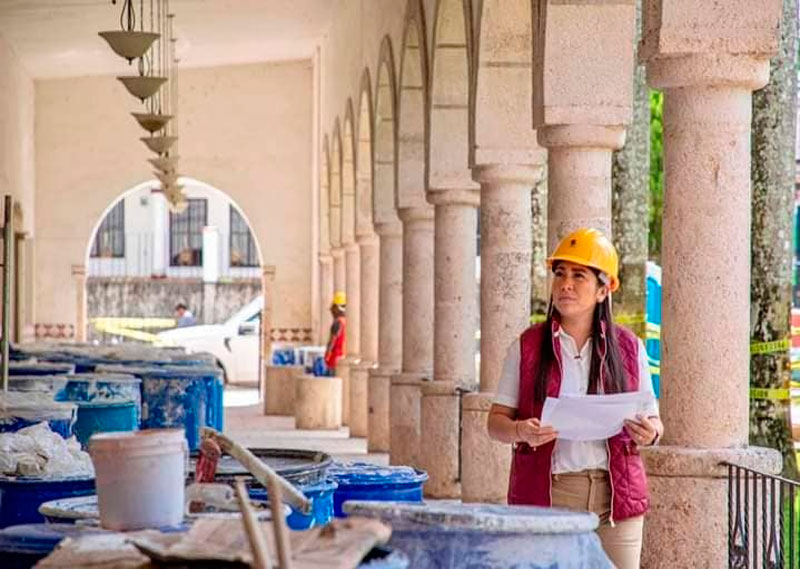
pixel 278 389
pixel 405 412
pixel 359 379
pixel 485 463
pixel 318 402
pixel 378 410
pixel 440 453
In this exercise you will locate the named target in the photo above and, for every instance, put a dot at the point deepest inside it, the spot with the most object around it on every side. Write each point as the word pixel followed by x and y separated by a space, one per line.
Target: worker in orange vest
pixel 336 344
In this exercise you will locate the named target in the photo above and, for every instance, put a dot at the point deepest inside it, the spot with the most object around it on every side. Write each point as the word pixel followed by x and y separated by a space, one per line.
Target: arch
pixel 502 85
pixel 447 163
pixel 364 159
pixel 324 205
pixel 335 201
pixel 348 177
pixel 188 183
pixel 383 203
pixel 411 116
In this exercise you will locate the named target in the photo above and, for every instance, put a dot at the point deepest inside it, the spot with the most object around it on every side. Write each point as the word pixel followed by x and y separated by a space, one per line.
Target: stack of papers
pixel 594 417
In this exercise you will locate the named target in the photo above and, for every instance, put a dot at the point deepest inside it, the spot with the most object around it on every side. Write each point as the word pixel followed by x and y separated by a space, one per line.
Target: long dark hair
pixel 604 336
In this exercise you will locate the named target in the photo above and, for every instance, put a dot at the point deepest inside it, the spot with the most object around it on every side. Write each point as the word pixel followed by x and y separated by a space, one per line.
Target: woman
pixel 578 350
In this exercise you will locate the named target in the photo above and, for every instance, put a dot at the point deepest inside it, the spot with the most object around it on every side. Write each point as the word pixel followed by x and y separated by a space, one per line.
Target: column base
pixel 485 463
pixel 318 402
pixel 359 378
pixel 278 391
pixel 343 371
pixel 405 417
pixel 378 410
pixel 439 452
pixel 687 525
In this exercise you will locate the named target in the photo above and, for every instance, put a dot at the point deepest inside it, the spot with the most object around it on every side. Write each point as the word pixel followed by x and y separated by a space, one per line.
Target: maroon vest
pixel 531 469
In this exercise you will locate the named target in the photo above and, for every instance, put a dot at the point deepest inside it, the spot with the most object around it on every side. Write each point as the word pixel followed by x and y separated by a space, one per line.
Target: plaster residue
pixel 38 451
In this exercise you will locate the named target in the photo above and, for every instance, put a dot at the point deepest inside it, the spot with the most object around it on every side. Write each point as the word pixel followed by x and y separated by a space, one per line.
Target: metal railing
pixel 763 519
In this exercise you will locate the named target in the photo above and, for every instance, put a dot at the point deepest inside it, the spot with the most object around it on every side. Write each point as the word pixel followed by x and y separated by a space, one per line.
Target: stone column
pixel 81 320
pixel 406 394
pixel 325 296
pixel 356 394
pixel 19 292
pixel 339 270
pixel 390 329
pixel 370 281
pixel 505 311
pixel 706 262
pixel 268 290
pixel 342 368
pixel 455 324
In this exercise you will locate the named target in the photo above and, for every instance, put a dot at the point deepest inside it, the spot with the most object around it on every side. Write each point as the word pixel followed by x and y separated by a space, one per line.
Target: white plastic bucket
pixel 140 478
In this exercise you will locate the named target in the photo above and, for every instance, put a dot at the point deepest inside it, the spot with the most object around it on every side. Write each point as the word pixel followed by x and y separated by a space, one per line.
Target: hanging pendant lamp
pixel 129 44
pixel 152 122
pixel 142 87
pixel 167 178
pixel 164 164
pixel 159 144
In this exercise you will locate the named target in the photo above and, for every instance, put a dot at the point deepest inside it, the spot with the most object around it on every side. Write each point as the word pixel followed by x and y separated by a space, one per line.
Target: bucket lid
pixel 39 538
pixel 103 377
pixel 356 473
pixel 34 406
pixel 151 439
pixel 451 516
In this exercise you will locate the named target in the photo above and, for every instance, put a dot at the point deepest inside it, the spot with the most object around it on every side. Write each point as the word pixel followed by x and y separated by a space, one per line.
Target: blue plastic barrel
pixel 381 557
pixel 103 387
pixel 20 409
pixel 178 396
pixel 653 322
pixel 321 495
pixel 20 497
pixel 366 481
pixel 103 417
pixel 22 546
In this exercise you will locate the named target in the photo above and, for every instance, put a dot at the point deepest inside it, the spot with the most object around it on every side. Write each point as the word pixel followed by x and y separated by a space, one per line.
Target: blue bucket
pixel 381 557
pixel 21 497
pixel 103 387
pixel 41 368
pixel 22 409
pixel 104 416
pixel 22 546
pixel 371 482
pixel 321 496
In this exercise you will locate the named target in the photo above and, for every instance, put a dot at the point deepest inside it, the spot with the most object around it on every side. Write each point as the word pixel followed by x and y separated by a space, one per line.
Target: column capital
pixel 367 239
pixel 351 247
pixel 268 271
pixel 582 136
pixel 522 174
pixel 389 229
pixel 337 253
pixel 708 70
pixel 455 196
pixel 409 214
pixel 326 258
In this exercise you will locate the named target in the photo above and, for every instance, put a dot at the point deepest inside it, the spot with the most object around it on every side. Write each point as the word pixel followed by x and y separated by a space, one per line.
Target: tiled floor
pixel 245 422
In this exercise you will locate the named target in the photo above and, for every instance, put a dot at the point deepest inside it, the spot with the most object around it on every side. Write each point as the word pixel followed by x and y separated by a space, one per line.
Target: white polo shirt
pixel 569 456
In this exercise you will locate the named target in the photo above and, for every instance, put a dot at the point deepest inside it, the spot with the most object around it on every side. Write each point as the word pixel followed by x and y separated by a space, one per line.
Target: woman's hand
pixel 532 431
pixel 643 431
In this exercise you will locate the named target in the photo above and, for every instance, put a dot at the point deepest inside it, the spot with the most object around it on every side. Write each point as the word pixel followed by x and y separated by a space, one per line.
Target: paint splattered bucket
pixel 366 481
pixel 22 546
pixel 20 497
pixel 103 417
pixel 140 478
pixel 22 409
pixel 321 496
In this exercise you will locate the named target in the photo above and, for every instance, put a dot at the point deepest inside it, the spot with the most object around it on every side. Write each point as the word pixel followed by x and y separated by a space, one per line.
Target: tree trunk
pixel 773 172
pixel 630 191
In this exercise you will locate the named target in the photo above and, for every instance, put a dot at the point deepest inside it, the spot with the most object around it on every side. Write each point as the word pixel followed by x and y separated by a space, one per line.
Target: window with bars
pixel 186 234
pixel 109 241
pixel 242 245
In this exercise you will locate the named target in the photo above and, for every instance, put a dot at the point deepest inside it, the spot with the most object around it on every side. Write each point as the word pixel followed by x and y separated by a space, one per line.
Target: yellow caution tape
pixel 135 323
pixel 623 319
pixel 770 347
pixel 655 370
pixel 770 394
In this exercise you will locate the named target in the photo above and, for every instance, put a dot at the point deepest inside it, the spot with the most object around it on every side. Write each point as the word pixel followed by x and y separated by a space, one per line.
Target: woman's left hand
pixel 643 431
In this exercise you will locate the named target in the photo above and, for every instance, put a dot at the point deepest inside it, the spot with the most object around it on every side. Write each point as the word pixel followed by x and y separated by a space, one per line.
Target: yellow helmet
pixel 590 248
pixel 340 298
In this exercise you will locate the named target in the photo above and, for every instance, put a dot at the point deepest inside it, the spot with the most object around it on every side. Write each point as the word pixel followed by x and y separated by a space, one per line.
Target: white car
pixel 235 343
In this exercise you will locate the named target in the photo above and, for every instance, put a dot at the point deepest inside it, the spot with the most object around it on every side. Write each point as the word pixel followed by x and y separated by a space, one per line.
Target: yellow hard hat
pixel 590 248
pixel 340 298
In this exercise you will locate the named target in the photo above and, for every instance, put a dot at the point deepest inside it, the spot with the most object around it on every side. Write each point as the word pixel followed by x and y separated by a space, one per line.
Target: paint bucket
pixel 140 478
pixel 321 496
pixel 300 467
pixel 103 417
pixel 371 482
pixel 39 368
pixel 22 409
pixel 447 535
pixel 20 497
pixel 108 387
pixel 22 546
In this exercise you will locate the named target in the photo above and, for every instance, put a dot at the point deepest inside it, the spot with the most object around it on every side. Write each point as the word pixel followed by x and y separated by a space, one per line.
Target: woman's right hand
pixel 532 431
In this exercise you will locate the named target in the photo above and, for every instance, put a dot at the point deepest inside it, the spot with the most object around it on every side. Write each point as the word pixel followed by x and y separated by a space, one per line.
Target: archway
pixel 383 203
pixel 142 260
pixel 326 263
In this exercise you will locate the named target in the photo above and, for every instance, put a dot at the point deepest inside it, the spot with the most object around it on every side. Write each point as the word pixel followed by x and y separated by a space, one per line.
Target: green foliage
pixel 656 174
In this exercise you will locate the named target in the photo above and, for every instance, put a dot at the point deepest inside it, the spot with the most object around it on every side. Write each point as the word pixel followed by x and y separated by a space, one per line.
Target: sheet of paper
pixel 593 417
